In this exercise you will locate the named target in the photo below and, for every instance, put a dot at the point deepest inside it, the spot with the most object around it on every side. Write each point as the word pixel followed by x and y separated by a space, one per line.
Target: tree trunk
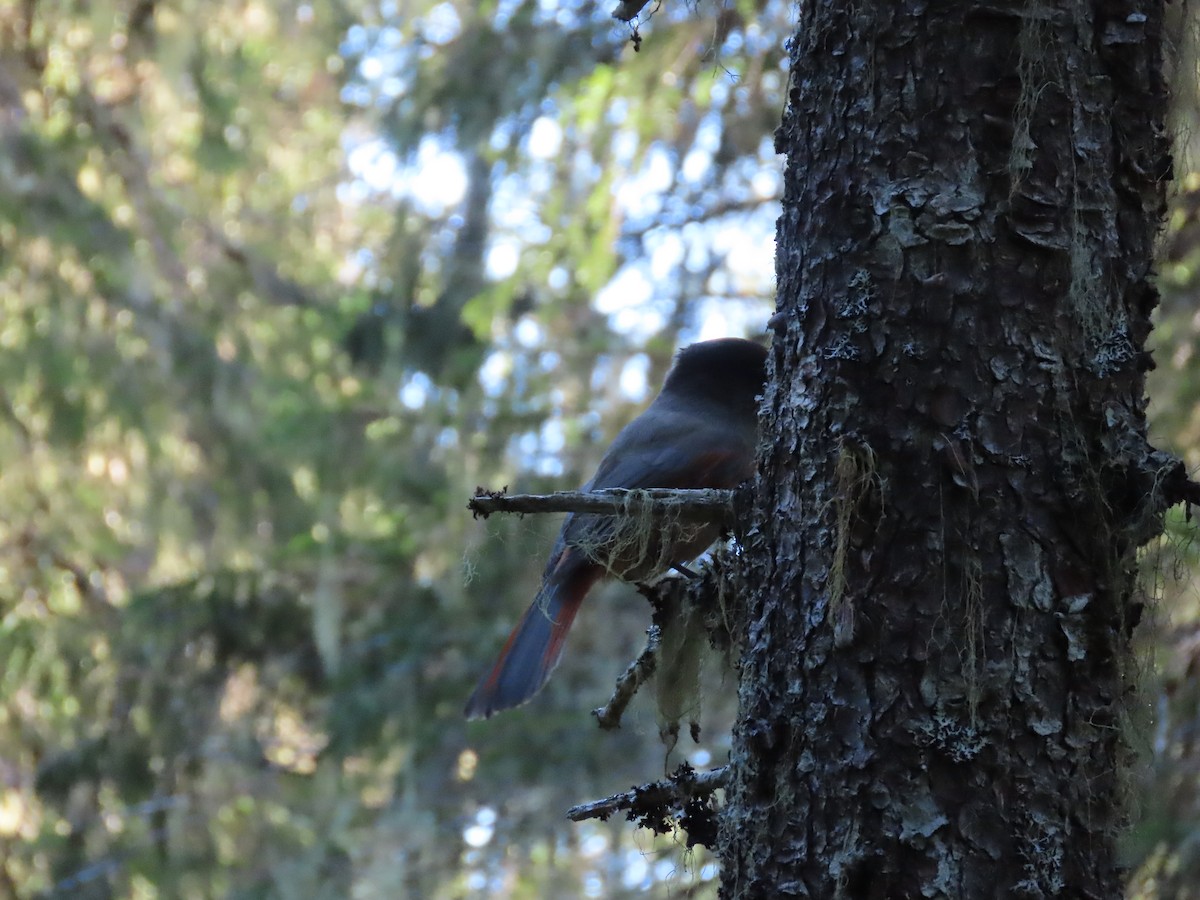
pixel 936 678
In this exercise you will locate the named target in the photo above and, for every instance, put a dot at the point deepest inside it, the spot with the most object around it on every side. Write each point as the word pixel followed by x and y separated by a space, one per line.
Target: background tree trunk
pixel 936 679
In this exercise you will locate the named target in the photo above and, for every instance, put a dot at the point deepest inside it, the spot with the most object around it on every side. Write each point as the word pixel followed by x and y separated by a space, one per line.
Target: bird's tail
pixel 536 644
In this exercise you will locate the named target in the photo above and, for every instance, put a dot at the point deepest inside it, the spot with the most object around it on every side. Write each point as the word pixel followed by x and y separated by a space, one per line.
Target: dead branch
pixel 649 801
pixel 706 505
pixel 638 673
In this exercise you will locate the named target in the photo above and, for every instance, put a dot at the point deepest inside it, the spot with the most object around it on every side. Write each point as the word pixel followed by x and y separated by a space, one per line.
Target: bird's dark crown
pixel 731 368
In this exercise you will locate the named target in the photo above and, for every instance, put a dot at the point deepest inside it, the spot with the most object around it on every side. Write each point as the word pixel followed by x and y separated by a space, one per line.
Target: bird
pixel 701 431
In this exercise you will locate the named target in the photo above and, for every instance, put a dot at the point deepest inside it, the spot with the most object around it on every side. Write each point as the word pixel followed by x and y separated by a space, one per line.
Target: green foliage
pixel 248 383
pixel 1161 848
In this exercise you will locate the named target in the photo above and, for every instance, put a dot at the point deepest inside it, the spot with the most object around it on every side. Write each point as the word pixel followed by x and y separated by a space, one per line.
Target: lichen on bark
pixel 964 270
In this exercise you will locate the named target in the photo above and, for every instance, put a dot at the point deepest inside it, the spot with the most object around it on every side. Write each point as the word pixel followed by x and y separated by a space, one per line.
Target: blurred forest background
pixel 281 284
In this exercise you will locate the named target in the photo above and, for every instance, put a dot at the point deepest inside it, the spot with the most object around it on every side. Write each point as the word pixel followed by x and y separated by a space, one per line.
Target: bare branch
pixel 707 505
pixel 650 800
pixel 639 671
pixel 665 597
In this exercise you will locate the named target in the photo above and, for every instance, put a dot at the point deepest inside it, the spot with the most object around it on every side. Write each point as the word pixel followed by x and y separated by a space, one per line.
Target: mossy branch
pixel 707 505
pixel 652 802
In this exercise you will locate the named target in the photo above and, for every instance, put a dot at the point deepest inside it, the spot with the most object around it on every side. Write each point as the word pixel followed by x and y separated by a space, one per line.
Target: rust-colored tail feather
pixel 535 645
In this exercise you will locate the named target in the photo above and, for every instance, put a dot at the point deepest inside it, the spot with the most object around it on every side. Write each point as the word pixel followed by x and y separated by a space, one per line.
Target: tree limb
pixel 649 801
pixel 638 673
pixel 707 505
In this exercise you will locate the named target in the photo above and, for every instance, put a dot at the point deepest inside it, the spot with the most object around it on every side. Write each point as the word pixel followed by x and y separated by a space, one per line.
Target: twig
pixel 665 598
pixel 707 505
pixel 649 800
pixel 609 715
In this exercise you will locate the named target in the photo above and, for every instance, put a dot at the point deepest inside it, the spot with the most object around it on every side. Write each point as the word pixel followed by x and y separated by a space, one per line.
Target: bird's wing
pixel 667 450
pixel 675 450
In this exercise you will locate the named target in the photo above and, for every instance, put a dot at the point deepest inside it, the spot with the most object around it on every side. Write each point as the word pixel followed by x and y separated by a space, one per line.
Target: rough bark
pixel 936 675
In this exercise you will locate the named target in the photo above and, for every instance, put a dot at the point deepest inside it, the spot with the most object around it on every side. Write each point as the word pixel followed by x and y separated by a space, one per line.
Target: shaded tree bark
pixel 937 676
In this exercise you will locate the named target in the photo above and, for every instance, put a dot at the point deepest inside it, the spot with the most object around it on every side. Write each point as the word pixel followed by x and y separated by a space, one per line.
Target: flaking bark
pixel 956 475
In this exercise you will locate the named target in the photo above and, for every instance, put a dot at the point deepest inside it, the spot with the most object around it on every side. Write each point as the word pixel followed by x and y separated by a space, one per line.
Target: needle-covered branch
pixel 706 505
